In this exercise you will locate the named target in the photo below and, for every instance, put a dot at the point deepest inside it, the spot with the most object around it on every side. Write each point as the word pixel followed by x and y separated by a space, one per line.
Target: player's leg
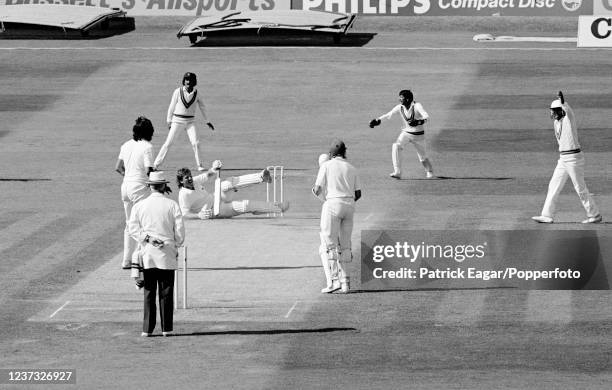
pixel 419 144
pixel 194 140
pixel 330 227
pixel 396 155
pixel 166 299
pixel 327 269
pixel 557 181
pixel 129 244
pixel 150 307
pixel 345 253
pixel 175 128
pixel 235 183
pixel 575 169
pixel 258 207
pixel 396 160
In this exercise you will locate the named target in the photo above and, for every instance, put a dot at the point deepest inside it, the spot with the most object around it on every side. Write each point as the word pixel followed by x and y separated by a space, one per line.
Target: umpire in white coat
pixel 343 188
pixel 157 224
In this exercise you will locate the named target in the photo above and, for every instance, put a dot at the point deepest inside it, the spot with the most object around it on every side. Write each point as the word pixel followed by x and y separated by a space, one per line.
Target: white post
pixel 282 173
pixel 185 278
pixel 175 292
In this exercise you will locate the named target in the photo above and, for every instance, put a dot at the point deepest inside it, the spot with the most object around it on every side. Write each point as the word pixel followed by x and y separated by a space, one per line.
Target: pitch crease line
pixel 58 310
pixel 290 310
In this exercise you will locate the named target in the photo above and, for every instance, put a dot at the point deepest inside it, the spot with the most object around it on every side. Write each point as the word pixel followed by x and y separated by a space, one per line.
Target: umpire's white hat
pixel 157 177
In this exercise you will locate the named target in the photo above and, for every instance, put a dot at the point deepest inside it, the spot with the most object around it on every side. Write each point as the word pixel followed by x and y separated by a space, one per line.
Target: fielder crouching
pixel 338 178
pixel 196 202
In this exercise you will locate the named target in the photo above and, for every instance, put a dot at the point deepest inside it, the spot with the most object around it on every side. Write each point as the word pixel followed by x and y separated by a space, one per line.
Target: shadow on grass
pixel 458 178
pixel 262 332
pixel 431 289
pixel 22 179
pixel 250 268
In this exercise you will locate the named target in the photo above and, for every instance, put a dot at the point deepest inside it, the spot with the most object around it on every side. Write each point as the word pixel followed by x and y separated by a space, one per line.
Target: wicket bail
pixel 277 172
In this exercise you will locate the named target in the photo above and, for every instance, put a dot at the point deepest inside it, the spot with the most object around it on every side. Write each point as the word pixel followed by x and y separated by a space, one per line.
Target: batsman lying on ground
pixel 196 202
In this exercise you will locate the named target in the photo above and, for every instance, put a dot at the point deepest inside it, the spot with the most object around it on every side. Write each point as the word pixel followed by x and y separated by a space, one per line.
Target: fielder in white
pixel 181 116
pixel 571 164
pixel 414 117
pixel 196 202
pixel 134 163
pixel 339 179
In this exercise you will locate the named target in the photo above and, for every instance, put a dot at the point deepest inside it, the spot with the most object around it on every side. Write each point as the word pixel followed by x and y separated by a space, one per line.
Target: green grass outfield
pixel 256 318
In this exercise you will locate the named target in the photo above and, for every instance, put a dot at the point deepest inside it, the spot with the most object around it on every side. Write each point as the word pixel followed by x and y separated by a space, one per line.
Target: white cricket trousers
pixel 336 231
pixel 130 194
pixel 572 166
pixel 175 128
pixel 405 138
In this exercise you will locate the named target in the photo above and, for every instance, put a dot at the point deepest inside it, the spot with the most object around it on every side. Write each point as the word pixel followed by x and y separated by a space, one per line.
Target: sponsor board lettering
pixel 595 31
pixel 392 7
pixel 170 7
pixel 449 7
pixel 602 7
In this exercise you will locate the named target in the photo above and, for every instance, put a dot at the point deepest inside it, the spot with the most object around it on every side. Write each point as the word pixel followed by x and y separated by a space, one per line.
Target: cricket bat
pixel 217 194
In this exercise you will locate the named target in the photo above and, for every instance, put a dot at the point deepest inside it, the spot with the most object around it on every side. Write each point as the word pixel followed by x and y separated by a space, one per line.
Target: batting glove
pixel 374 122
pixel 205 214
pixel 216 165
pixel 210 125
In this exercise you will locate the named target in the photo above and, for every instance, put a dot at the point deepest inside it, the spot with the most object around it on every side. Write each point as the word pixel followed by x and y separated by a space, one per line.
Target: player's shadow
pixel 250 268
pixel 552 225
pixel 392 290
pixel 23 179
pixel 264 332
pixel 460 178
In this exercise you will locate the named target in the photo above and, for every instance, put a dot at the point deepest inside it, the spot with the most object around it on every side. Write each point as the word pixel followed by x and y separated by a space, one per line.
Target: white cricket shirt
pixel 193 201
pixel 566 130
pixel 184 103
pixel 415 111
pixel 339 178
pixel 137 156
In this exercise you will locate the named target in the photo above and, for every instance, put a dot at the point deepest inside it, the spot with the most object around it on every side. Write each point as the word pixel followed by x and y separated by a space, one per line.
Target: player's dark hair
pixel 192 77
pixel 158 187
pixel 407 94
pixel 558 110
pixel 180 175
pixel 143 129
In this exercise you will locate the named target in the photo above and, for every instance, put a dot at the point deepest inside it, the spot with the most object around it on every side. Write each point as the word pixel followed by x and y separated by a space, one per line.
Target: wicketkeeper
pixel 414 117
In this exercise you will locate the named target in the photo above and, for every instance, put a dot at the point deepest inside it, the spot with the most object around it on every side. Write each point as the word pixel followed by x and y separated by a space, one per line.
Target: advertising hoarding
pixel 595 31
pixel 170 7
pixel 451 7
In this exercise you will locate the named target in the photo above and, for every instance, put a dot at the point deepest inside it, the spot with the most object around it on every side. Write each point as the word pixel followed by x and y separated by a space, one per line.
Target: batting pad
pixel 237 182
pixel 217 197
